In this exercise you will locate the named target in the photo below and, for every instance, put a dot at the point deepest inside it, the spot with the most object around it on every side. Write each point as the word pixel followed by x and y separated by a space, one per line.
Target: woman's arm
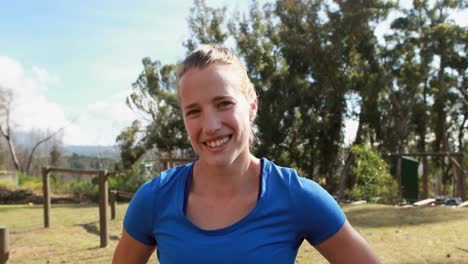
pixel 130 250
pixel 347 246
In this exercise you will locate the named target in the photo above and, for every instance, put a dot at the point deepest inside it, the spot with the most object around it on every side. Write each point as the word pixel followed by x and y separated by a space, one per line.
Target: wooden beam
pixel 125 194
pixel 422 154
pixel 74 171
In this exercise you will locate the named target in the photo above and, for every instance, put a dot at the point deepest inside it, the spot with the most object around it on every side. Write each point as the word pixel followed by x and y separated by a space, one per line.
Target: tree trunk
pixel 11 147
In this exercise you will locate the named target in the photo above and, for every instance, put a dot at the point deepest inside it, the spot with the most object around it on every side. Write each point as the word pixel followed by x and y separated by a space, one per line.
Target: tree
pixel 154 96
pixel 2 155
pixel 314 64
pixel 129 151
pixel 5 127
pixel 6 104
pixel 206 25
pixel 428 58
pixel 55 156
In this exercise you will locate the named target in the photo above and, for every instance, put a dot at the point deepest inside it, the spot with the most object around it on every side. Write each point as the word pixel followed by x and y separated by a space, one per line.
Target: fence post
pixel 4 251
pixel 103 215
pixel 113 201
pixel 46 196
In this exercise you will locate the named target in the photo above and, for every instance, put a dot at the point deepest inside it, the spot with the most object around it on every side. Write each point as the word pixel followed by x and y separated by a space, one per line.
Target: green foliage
pixel 85 190
pixel 130 151
pixel 155 97
pixel 373 177
pixel 130 180
pixel 315 64
pixel 31 183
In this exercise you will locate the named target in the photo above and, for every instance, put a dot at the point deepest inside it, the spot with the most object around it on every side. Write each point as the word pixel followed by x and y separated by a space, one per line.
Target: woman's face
pixel 217 116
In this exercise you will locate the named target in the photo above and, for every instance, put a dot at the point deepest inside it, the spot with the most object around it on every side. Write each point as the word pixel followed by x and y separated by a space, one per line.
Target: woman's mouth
pixel 218 142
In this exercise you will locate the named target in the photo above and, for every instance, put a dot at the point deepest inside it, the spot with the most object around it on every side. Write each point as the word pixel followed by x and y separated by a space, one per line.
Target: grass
pixel 398 235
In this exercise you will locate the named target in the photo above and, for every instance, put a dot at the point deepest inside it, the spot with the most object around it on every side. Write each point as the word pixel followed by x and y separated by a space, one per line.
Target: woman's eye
pixel 225 104
pixel 192 112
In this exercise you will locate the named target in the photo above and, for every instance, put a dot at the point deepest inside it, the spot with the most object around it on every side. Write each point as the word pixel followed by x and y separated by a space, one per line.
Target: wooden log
pixel 124 194
pixel 359 202
pixel 4 240
pixel 103 214
pixel 113 201
pixel 75 171
pixel 46 196
pixel 424 202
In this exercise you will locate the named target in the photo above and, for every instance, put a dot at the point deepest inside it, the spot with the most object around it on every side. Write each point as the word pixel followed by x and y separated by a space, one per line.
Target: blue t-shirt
pixel 289 209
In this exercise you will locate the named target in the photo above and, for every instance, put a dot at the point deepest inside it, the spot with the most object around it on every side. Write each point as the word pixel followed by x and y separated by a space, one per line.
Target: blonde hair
pixel 206 55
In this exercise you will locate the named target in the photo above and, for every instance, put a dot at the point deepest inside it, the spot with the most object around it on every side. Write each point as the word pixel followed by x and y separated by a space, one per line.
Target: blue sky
pixel 91 45
pixel 71 62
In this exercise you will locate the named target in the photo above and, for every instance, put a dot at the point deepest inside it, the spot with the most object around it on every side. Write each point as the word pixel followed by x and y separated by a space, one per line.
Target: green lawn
pixel 399 235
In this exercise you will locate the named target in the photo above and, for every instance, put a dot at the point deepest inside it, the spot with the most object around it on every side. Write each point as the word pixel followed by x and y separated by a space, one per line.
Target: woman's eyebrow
pixel 190 106
pixel 220 98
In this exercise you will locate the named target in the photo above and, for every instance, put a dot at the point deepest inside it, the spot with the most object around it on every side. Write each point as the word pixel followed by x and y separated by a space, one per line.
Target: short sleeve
pixel 318 215
pixel 138 221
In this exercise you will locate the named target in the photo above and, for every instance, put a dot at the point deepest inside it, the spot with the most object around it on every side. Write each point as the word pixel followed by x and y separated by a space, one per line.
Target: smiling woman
pixel 230 206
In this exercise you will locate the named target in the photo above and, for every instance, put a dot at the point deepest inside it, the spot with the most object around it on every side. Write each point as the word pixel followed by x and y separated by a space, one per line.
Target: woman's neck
pixel 238 178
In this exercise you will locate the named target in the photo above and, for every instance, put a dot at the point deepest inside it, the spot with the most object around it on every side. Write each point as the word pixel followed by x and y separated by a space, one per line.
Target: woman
pixel 229 206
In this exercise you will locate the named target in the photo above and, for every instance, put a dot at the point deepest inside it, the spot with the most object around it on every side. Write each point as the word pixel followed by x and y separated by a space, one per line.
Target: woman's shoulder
pixel 173 174
pixel 271 169
pixel 297 186
pixel 286 175
pixel 315 213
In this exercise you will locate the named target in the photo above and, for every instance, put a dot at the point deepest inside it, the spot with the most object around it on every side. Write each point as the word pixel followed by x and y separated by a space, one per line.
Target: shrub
pixel 31 183
pixel 373 179
pixel 130 180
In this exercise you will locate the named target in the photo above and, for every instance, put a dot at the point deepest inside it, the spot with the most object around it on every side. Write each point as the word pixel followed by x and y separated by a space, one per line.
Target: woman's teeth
pixel 217 143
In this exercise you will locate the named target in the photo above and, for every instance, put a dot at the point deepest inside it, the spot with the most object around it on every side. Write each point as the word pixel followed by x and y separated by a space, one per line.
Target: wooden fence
pixel 103 197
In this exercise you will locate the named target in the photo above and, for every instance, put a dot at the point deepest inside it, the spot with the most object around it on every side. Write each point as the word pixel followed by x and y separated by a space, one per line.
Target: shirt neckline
pixel 184 196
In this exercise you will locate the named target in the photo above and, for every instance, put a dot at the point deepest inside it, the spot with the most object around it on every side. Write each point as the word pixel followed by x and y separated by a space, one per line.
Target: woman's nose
pixel 211 122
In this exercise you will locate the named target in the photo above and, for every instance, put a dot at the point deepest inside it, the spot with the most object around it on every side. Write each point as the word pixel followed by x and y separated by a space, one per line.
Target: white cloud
pixel 99 124
pixel 30 109
pixel 10 72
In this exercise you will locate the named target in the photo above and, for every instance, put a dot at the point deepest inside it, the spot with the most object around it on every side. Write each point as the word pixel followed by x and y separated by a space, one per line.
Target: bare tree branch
pixel 38 144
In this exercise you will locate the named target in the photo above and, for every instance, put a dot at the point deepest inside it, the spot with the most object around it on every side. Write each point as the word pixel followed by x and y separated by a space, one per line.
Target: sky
pixel 71 63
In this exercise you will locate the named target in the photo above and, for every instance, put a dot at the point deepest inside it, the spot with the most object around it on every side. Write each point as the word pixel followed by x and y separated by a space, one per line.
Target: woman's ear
pixel 253 107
